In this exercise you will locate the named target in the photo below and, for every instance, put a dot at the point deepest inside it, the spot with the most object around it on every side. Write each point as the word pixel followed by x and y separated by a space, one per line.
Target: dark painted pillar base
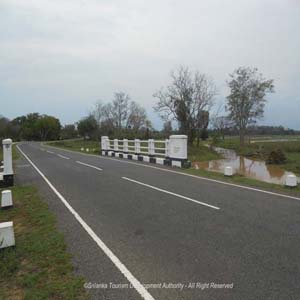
pixel 186 164
pixel 8 180
pixel 167 162
pixel 152 160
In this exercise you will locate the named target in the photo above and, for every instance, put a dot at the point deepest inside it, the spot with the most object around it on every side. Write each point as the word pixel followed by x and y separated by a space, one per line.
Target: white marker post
pixel 7 235
pixel 291 180
pixel 8 174
pixel 228 171
pixel 6 199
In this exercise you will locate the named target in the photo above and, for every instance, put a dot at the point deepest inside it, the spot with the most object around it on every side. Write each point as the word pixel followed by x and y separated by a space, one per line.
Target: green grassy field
pixel 39 266
pixel 76 145
pixel 202 153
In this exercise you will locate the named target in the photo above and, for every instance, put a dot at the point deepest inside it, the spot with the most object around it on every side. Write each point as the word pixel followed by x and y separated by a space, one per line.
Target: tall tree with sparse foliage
pixel 187 100
pixel 120 116
pixel 246 102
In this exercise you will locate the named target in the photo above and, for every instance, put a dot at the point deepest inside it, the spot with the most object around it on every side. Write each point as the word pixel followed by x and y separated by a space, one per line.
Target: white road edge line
pixel 171 193
pixel 183 174
pixel 50 152
pixel 63 156
pixel 122 268
pixel 87 165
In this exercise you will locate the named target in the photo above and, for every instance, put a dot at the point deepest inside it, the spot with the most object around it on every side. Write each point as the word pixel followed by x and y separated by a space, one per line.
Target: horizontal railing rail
pixel 137 146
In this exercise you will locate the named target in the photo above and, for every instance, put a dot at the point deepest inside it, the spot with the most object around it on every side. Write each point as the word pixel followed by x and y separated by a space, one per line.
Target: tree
pixel 167 129
pixel 48 128
pixel 137 117
pixel 120 109
pixel 202 124
pixel 121 116
pixel 246 101
pixel 28 123
pixel 185 100
pixel 35 127
pixel 221 124
pixel 4 127
pixel 87 127
pixel 69 131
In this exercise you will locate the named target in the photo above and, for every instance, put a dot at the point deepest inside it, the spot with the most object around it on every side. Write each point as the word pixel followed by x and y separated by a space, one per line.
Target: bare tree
pixel 167 128
pixel 221 124
pixel 137 117
pixel 246 101
pixel 120 114
pixel 114 114
pixel 185 99
pixel 120 109
pixel 97 112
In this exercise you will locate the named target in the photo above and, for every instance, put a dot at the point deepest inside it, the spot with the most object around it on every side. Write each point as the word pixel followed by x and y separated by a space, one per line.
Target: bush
pixel 276 157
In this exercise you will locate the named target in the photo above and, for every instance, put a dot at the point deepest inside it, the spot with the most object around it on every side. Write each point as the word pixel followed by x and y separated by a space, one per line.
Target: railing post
pixel 8 174
pixel 167 153
pixel 104 143
pixel 178 149
pixel 137 146
pixel 125 145
pixel 116 144
pixel 151 147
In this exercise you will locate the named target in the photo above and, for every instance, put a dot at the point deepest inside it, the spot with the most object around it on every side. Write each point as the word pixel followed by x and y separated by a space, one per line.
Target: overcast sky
pixel 59 56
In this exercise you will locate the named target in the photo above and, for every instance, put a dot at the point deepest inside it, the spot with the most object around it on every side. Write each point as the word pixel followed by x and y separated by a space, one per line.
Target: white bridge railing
pixel 174 148
pixel 146 147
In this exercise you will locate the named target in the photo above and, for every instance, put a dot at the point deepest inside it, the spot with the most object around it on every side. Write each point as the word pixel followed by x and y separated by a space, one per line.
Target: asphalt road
pixel 128 223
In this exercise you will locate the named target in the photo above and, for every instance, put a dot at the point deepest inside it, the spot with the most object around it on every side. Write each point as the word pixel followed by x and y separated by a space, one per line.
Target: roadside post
pixel 6 199
pixel 8 174
pixel 7 235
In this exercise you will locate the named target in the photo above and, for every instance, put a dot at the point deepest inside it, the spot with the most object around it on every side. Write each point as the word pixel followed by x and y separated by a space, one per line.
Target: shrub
pixel 276 156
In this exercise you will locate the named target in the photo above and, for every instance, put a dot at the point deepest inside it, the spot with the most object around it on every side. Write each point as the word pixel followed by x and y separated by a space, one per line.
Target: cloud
pixel 75 52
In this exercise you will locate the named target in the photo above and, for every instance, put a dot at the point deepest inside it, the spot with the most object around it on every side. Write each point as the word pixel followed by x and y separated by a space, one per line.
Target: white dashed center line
pixel 171 193
pixel 87 165
pixel 63 156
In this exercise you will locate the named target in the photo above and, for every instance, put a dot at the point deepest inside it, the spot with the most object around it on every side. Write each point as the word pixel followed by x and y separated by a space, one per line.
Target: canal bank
pixel 244 166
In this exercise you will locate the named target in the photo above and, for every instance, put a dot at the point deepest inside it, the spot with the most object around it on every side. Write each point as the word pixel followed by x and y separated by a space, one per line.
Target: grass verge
pixel 77 145
pixel 38 267
pixel 202 153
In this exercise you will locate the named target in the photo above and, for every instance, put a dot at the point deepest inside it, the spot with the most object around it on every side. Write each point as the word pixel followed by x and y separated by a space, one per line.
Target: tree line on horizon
pixel 187 102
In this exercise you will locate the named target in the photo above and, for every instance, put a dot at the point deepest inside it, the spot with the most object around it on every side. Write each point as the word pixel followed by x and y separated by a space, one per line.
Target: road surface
pixel 138 231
